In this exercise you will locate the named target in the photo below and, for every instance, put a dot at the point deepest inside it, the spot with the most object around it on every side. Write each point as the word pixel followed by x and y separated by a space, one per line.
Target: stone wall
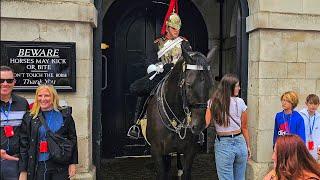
pixel 61 21
pixel 284 54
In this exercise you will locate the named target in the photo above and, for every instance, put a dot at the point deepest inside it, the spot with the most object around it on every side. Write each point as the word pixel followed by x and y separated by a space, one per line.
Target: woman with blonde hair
pixel 46 115
pixel 292 160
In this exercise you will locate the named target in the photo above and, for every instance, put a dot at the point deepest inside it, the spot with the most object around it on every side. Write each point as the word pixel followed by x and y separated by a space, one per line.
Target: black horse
pixel 176 114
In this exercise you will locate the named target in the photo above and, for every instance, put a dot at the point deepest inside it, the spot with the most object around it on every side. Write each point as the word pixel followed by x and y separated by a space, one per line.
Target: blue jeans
pixel 231 155
pixel 9 170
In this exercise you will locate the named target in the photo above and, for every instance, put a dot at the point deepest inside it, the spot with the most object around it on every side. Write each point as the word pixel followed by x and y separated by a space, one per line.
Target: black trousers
pixel 9 170
pixel 49 171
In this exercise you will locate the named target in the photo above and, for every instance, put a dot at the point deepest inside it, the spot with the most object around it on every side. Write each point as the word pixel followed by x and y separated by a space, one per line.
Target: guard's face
pixel 7 82
pixel 45 100
pixel 172 33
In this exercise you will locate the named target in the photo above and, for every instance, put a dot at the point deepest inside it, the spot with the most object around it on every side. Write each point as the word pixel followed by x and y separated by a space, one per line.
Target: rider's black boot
pixel 134 131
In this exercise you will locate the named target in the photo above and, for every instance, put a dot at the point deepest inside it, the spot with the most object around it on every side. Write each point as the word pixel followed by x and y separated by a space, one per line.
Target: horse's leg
pixel 179 166
pixel 187 163
pixel 162 165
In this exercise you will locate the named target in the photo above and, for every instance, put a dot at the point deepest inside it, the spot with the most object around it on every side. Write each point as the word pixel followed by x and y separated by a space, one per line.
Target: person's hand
pixel 23 175
pixel 72 170
pixel 271 175
pixel 4 155
pixel 249 153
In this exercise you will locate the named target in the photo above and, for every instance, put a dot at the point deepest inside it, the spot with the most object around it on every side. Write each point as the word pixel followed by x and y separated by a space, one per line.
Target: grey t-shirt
pixel 237 107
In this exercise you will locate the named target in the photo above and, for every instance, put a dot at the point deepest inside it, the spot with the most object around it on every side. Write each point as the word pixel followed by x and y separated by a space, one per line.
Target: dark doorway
pixel 129 30
pixel 234 41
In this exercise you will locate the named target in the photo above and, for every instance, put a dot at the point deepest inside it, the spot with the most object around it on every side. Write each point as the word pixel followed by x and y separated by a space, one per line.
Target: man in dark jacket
pixel 165 53
pixel 13 107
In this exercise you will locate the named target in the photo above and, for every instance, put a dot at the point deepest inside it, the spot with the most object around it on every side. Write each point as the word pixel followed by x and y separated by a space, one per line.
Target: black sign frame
pixel 56 60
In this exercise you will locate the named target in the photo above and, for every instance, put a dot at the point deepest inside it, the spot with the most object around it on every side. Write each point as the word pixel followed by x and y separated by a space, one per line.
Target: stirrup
pixel 134 132
pixel 201 138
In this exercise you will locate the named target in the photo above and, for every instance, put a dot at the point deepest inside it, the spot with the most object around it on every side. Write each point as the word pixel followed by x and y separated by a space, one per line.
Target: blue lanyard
pixel 288 120
pixel 6 113
pixel 311 127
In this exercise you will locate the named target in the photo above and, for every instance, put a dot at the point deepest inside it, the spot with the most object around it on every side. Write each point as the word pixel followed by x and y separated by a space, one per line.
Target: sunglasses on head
pixel 6 80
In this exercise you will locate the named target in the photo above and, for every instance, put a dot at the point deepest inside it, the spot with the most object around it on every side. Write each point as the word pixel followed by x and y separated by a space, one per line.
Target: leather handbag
pixel 60 148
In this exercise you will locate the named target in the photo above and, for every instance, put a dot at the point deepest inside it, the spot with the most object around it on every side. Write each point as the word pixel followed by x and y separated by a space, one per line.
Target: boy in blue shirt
pixel 289 121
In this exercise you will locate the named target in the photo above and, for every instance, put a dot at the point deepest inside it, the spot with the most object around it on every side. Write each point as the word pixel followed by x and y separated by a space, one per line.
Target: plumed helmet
pixel 174 21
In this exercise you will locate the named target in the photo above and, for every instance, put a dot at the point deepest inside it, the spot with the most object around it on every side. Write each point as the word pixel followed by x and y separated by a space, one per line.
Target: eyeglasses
pixel 6 80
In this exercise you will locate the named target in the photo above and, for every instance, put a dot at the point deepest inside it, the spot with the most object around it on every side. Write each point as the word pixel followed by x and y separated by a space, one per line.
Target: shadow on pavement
pixel 143 168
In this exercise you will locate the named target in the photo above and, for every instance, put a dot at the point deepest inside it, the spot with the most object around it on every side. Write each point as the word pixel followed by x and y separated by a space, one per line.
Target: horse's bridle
pixel 175 124
pixel 183 84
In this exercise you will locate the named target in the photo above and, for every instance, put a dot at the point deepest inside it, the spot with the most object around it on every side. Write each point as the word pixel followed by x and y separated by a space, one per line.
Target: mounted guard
pixel 164 54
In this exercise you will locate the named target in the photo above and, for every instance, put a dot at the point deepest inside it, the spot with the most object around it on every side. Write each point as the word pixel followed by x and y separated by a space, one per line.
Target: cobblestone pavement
pixel 143 168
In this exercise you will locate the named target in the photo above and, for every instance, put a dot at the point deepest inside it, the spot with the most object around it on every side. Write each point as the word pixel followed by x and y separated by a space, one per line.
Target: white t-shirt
pixel 237 107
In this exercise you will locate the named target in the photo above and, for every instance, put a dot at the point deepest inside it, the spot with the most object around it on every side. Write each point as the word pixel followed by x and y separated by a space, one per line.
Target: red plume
pixel 173 5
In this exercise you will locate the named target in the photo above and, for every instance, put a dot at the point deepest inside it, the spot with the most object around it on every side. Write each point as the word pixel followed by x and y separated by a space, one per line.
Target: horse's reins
pixel 163 102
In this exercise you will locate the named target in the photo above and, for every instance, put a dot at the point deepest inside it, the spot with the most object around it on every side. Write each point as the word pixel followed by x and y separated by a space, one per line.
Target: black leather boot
pixel 134 131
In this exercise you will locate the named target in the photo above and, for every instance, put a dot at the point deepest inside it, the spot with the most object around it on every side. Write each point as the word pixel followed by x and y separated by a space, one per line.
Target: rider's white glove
pixel 155 68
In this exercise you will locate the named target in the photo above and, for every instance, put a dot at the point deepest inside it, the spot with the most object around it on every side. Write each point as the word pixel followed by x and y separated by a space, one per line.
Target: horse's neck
pixel 173 91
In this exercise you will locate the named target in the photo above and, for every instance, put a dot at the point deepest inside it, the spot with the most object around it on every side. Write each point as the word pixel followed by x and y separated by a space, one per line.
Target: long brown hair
pixel 293 158
pixel 221 99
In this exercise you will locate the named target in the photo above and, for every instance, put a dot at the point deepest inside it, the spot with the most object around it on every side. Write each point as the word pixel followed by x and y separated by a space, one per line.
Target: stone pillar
pixel 61 21
pixel 284 54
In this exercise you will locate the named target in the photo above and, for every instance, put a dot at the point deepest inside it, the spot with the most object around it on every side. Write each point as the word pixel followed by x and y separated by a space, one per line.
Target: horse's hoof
pixel 180 172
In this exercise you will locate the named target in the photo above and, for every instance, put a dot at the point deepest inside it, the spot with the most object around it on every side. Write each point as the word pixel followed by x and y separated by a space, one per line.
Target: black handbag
pixel 60 148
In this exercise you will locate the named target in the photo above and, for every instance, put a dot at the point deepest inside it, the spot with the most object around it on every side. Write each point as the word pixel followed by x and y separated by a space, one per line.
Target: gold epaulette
pixel 156 41
pixel 159 39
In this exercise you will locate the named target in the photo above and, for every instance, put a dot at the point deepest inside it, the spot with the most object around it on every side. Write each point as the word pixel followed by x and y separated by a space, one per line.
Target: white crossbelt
pixel 168 46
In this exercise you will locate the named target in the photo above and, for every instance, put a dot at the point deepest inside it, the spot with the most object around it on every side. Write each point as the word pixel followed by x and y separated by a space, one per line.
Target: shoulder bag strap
pixel 44 122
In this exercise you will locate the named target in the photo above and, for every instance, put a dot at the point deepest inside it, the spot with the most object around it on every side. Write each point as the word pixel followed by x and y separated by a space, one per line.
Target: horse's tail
pixel 179 165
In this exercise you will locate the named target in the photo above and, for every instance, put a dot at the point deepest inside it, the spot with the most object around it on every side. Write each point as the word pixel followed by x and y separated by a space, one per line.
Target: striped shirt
pixel 11 115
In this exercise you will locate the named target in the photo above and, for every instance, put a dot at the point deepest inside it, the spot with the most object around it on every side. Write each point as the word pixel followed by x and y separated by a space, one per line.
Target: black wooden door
pixel 130 30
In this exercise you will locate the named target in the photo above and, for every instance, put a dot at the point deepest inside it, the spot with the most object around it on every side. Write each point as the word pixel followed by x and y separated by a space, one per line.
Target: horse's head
pixel 195 85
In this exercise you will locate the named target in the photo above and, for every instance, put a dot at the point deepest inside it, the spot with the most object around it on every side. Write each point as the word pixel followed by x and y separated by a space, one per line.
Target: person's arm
pixel 152 56
pixel 6 156
pixel 301 128
pixel 24 140
pixel 275 130
pixel 244 129
pixel 72 135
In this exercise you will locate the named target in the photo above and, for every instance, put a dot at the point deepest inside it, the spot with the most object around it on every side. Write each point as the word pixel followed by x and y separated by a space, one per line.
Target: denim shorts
pixel 231 155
